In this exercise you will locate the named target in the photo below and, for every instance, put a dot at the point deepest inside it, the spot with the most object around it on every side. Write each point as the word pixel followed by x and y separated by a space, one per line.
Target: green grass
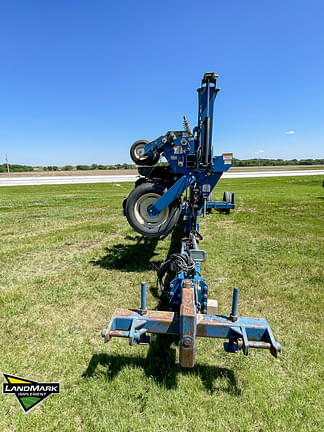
pixel 68 259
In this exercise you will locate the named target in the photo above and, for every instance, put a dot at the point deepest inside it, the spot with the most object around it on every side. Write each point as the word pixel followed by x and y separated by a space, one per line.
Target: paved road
pixel 27 181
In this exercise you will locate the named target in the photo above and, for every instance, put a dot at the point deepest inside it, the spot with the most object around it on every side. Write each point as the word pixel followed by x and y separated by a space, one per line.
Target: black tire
pixel 136 206
pixel 210 198
pixel 139 159
pixel 227 197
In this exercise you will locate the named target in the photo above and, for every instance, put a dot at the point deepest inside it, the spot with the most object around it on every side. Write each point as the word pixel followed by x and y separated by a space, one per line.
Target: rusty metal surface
pixel 154 315
pixel 242 334
pixel 187 326
pixel 187 303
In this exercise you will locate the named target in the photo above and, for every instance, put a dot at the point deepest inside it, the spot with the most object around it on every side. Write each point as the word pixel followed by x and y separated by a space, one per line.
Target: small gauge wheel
pixel 138 156
pixel 228 198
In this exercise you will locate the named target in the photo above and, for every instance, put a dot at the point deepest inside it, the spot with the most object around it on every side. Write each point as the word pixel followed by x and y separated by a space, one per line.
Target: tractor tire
pixel 136 211
pixel 210 198
pixel 228 198
pixel 138 158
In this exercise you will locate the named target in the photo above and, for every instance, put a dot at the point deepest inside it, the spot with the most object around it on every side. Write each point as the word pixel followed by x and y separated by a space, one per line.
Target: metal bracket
pixel 188 324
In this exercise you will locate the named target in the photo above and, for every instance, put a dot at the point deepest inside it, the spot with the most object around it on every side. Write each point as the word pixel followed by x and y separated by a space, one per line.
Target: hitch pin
pixel 233 315
pixel 143 297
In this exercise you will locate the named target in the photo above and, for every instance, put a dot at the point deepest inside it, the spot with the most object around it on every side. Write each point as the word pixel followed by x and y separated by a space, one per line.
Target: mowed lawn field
pixel 69 258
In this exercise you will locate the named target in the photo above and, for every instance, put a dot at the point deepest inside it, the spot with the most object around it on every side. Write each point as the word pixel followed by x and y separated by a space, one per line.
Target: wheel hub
pixel 139 152
pixel 142 207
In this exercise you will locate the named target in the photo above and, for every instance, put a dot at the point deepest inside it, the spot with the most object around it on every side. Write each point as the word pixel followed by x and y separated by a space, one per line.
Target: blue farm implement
pixel 175 195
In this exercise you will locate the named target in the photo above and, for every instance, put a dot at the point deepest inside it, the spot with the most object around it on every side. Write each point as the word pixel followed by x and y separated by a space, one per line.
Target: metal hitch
pixel 163 194
pixel 241 333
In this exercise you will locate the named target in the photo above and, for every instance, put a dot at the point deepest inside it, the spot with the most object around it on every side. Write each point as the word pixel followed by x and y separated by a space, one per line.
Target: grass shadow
pixel 175 247
pixel 160 364
pixel 132 257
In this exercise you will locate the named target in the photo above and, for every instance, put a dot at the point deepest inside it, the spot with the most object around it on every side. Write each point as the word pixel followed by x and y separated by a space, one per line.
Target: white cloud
pixel 290 132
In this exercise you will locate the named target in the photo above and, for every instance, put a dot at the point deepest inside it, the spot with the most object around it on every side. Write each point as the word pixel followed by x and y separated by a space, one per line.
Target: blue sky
pixel 80 80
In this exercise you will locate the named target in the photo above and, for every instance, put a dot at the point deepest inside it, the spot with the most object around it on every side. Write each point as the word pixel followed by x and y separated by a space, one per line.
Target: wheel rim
pixel 139 152
pixel 141 211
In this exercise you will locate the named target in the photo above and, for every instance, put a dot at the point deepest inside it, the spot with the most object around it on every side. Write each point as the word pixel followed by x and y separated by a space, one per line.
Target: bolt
pixel 187 341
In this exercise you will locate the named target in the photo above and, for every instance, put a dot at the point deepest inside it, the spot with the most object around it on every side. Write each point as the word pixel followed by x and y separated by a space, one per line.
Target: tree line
pixel 276 162
pixel 26 168
pixel 89 167
pixel 16 168
pixel 125 166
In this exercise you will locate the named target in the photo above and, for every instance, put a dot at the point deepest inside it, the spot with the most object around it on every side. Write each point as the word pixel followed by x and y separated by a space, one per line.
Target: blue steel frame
pixel 188 296
pixel 241 332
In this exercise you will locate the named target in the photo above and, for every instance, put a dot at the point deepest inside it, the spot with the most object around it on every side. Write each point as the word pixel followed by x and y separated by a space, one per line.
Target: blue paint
pixel 143 296
pixel 174 192
pixel 253 331
pixel 235 302
pixel 190 159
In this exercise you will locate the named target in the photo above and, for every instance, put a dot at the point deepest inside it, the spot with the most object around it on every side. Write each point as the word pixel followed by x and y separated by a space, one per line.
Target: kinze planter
pixel 153 209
